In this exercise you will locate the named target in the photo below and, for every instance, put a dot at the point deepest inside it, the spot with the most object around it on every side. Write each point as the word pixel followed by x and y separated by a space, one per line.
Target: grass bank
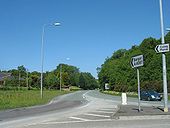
pixel 24 98
pixel 129 94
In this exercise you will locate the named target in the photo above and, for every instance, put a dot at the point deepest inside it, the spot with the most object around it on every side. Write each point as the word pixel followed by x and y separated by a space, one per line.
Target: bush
pixel 152 85
pixel 169 86
pixel 74 88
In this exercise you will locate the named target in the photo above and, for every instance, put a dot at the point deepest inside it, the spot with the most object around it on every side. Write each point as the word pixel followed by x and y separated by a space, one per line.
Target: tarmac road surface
pixel 82 109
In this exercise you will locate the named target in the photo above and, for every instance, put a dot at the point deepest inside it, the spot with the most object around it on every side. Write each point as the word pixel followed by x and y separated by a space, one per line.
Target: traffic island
pixel 132 112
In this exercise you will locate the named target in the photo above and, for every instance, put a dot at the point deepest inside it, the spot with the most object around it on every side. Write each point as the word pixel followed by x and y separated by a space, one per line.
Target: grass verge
pixel 24 98
pixel 129 94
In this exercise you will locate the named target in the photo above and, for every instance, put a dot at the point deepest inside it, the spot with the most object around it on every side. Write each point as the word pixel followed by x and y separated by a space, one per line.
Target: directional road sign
pixel 137 61
pixel 162 48
pixel 107 86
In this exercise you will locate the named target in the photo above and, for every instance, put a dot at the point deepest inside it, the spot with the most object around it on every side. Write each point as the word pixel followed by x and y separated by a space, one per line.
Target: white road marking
pixel 107 109
pixel 103 111
pixel 67 122
pixel 84 95
pixel 77 118
pixel 146 117
pixel 97 115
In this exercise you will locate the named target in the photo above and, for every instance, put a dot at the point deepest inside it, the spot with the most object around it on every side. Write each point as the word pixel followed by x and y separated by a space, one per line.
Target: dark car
pixel 150 96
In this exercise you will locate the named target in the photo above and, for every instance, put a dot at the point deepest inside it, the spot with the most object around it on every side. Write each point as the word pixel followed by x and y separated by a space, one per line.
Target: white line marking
pixel 84 95
pixel 103 111
pixel 77 118
pixel 107 109
pixel 88 114
pixel 67 122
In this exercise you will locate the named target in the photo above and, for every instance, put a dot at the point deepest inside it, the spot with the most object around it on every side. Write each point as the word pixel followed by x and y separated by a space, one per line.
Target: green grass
pixel 74 88
pixel 129 94
pixel 25 98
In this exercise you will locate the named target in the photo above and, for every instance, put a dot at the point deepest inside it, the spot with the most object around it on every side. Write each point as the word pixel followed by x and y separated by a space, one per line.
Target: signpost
pixel 107 86
pixel 162 48
pixel 136 62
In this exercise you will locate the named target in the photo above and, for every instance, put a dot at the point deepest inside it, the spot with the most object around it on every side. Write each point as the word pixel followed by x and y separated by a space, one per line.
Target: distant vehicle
pixel 150 96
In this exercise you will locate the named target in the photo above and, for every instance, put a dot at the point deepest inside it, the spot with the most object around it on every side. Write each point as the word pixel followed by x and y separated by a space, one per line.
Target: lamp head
pixel 167 29
pixel 57 24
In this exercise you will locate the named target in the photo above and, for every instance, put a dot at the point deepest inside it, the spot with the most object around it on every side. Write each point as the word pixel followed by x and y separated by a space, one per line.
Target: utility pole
pixel 60 76
pixel 19 78
pixel 27 78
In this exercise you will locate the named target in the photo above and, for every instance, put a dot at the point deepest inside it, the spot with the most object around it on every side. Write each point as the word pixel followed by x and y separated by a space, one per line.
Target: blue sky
pixel 90 30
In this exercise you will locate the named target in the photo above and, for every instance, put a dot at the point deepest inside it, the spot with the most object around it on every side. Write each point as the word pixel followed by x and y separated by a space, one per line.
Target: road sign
pixel 162 48
pixel 137 61
pixel 107 86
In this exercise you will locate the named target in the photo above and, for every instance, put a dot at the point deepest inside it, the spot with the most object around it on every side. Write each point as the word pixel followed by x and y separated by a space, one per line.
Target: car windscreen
pixel 153 93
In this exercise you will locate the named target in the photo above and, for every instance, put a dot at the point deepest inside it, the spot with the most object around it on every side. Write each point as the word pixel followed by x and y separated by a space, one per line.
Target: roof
pixel 4 75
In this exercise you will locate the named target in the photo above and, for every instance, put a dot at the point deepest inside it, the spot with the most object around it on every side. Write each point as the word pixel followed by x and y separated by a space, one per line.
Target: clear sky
pixel 90 30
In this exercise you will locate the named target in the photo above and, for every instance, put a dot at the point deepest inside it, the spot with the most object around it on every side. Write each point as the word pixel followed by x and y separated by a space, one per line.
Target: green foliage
pixel 87 81
pixel 25 98
pixel 74 88
pixel 117 70
pixel 51 80
pixel 34 80
pixel 70 74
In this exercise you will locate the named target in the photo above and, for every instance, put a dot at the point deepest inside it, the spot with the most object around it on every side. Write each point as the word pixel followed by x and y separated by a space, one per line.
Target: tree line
pixel 118 73
pixel 69 75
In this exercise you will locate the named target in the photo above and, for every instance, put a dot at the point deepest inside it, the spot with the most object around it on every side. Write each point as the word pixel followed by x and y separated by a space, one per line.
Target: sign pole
pixel 138 90
pixel 164 62
pixel 136 62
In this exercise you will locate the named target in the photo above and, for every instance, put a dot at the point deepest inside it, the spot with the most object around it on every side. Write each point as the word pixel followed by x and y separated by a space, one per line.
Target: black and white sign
pixel 137 61
pixel 162 48
pixel 107 86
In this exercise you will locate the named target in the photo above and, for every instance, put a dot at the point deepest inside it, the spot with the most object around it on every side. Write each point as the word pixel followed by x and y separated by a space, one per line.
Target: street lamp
pixel 167 29
pixel 163 61
pixel 42 52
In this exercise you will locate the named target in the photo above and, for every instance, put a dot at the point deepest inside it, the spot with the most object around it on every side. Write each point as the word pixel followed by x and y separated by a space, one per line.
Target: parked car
pixel 150 96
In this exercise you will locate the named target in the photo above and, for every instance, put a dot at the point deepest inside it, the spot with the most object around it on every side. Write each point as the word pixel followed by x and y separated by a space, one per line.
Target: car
pixel 150 96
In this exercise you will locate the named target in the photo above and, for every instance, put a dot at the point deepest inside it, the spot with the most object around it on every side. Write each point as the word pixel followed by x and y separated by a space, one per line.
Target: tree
pixel 51 81
pixel 117 71
pixel 21 75
pixel 87 81
pixel 70 74
pixel 34 79
pixel 22 71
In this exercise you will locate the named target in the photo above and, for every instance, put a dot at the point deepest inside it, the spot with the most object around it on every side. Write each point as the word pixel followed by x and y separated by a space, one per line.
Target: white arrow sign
pixel 137 61
pixel 162 48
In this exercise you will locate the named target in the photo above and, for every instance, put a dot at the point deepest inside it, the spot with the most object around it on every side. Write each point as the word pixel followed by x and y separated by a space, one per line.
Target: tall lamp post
pixel 163 61
pixel 42 52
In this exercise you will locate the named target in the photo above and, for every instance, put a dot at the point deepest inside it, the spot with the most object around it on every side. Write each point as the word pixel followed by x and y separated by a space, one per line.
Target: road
pixel 85 109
